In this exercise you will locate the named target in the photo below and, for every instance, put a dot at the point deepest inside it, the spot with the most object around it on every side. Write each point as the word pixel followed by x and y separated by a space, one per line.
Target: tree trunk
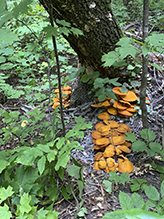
pixel 98 25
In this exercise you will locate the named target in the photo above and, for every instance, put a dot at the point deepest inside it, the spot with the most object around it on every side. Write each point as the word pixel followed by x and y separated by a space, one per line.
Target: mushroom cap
pixel 112 111
pixel 96 166
pixel 99 125
pixel 116 90
pixel 55 105
pixel 125 112
pixel 96 135
pixel 119 106
pixel 105 103
pixel 112 124
pixel 130 96
pixel 125 166
pixel 104 115
pixel 67 88
pixel 67 104
pixel 109 152
pixel 124 148
pixel 98 156
pixel 117 140
pixel 126 103
pixel 102 141
pixel 102 164
pixel 97 105
pixel 122 128
pixel 131 109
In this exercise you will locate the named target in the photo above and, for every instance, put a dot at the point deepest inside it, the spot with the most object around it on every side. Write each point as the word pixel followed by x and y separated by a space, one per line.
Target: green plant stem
pixel 58 70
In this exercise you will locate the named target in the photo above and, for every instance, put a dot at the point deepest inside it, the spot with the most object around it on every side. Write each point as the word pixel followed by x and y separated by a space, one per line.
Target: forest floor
pixel 97 201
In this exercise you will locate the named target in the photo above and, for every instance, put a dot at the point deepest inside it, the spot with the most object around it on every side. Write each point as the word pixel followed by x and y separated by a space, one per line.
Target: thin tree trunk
pixel 144 67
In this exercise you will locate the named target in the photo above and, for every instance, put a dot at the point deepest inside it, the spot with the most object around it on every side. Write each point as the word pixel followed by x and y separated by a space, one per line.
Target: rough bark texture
pixel 100 30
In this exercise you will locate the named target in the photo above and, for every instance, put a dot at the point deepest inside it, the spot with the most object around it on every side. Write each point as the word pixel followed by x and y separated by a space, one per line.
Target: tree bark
pixel 98 25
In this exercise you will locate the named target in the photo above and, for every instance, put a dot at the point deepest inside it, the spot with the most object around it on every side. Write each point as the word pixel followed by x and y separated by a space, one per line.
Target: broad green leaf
pixel 162 189
pixel 4 212
pixel 139 146
pixel 5 193
pixel 44 148
pixel 2 59
pixel 7 16
pixel 110 94
pixel 152 193
pixel 14 115
pixel 60 142
pixel 95 74
pixel 3 164
pixel 64 193
pixel 62 161
pixel 148 134
pixel 134 213
pixel 161 202
pixel 21 8
pixel 85 78
pixel 156 147
pixel 101 97
pixel 74 171
pixel 52 215
pixel 76 31
pixel 82 212
pixel 137 200
pixel 61 173
pixel 108 186
pixel 110 58
pixel 125 201
pixel 41 164
pixel 25 203
pixel 63 22
pixel 51 156
pixel 50 31
pixel 130 137
pixel 130 67
pixel 123 178
pixel 145 49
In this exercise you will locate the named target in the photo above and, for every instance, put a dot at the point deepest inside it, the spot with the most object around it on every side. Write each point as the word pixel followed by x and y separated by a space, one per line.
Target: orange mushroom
pixel 116 90
pixel 117 140
pixel 96 135
pixel 125 112
pixel 112 111
pixel 102 141
pixel 130 96
pixel 104 115
pixel 125 166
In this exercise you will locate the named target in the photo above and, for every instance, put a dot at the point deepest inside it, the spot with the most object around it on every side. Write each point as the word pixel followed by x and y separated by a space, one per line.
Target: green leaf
pixel 162 189
pixel 76 31
pixel 41 164
pixel 7 36
pixel 101 97
pixel 62 161
pixel 5 213
pixel 5 193
pixel 108 186
pixel 152 193
pixel 63 22
pixel 21 8
pixel 25 203
pixel 82 212
pixel 50 31
pixel 130 67
pixel 61 173
pixel 95 74
pixel 160 169
pixel 51 156
pixel 155 147
pixel 125 201
pixel 145 49
pixel 110 58
pixel 60 142
pixel 157 67
pixel 74 171
pixel 3 164
pixel 64 193
pixel 110 94
pixel 85 78
pixel 80 187
pixel 148 134
pixel 123 178
pixel 130 137
pixel 139 146
pixel 2 59
pixel 137 200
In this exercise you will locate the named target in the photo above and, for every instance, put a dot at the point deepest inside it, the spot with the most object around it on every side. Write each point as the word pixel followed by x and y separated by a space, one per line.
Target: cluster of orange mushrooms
pixel 123 106
pixel 66 91
pixel 110 138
